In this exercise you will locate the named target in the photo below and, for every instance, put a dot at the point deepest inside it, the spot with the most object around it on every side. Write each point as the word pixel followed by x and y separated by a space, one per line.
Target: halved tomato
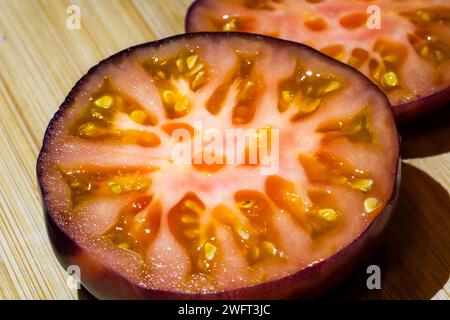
pixel 141 225
pixel 402 46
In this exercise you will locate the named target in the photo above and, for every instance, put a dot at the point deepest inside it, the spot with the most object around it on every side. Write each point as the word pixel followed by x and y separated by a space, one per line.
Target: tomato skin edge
pixel 415 109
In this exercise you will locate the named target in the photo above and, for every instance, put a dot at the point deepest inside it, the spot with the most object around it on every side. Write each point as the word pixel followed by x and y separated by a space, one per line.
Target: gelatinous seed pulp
pixel 97 121
pixel 187 66
pixel 87 182
pixel 306 89
pixel 198 239
pixel 137 225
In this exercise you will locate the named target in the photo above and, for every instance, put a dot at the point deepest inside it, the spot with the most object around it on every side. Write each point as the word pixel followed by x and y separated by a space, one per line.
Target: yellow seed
pixel 329 215
pixel 191 61
pixel 269 248
pixel 423 15
pixel 170 97
pixel 181 105
pixel 392 58
pixel 192 205
pixel 371 204
pixel 138 116
pixel 89 130
pixel 246 204
pixel 210 251
pixel 161 75
pixel 198 81
pixel 191 233
pixel 363 184
pixel 332 86
pixel 311 106
pixel 123 245
pixel 229 26
pixel 390 79
pixel 197 68
pixel 424 51
pixel 188 219
pixel 287 96
pixel 105 102
pixel 180 65
pixel 243 233
pixel 254 253
pixel 115 188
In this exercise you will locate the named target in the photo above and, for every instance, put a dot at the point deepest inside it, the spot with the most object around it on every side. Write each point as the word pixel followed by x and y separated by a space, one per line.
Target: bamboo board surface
pixel 40 60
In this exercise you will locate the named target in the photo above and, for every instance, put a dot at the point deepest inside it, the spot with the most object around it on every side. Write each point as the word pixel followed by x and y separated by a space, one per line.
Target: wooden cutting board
pixel 41 59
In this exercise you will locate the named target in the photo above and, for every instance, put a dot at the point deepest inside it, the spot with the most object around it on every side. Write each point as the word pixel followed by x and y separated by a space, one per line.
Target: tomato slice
pixel 402 46
pixel 140 224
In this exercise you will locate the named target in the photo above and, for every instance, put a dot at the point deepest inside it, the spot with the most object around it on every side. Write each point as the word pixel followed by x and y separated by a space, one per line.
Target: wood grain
pixel 40 61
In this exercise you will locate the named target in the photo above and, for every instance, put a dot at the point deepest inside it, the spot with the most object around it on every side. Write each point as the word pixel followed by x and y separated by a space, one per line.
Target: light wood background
pixel 40 60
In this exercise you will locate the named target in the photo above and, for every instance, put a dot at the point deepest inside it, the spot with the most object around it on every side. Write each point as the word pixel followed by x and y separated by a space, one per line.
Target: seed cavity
pixel 196 237
pixel 317 216
pixel 252 225
pixel 137 225
pixel 249 87
pixel 306 90
pixel 316 24
pixel 97 120
pixel 187 66
pixel 171 127
pixel 354 20
pixel 386 70
pixel 428 17
pixel 88 181
pixel 327 167
pixel 322 214
pixel 356 127
pixel 430 47
pixel 90 130
pixel 128 183
pixel 358 57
